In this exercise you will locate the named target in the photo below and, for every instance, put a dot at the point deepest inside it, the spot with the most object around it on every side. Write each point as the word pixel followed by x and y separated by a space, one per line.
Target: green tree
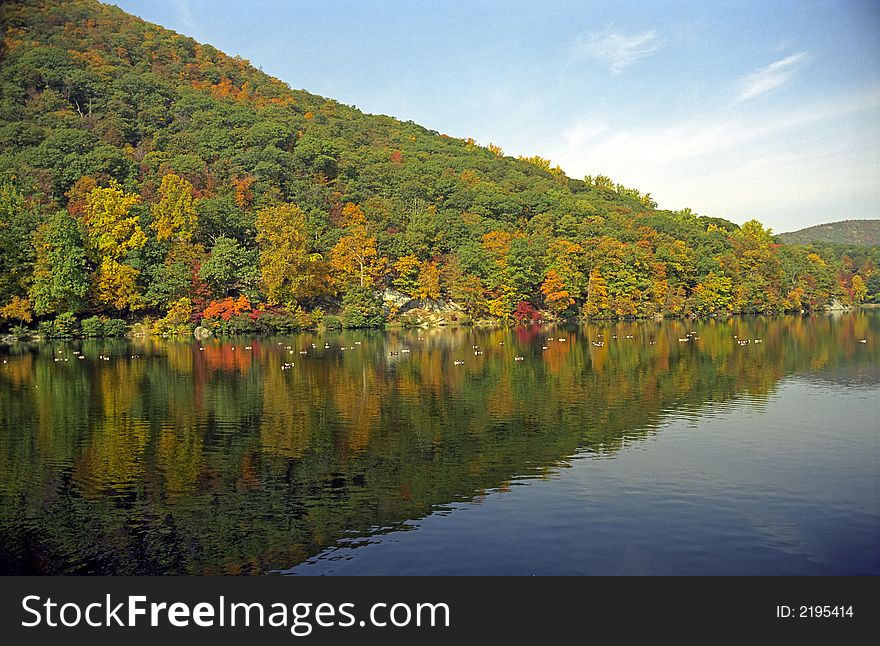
pixel 60 281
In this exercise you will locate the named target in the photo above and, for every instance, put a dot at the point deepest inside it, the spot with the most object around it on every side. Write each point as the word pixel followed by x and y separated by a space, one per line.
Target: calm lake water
pixel 619 449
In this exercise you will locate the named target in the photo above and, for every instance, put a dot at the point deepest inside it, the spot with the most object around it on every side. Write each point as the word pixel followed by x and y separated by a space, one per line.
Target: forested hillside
pixel 854 232
pixel 146 176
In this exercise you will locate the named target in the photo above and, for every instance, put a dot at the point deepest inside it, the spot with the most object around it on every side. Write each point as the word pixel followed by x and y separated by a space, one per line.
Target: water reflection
pixel 158 456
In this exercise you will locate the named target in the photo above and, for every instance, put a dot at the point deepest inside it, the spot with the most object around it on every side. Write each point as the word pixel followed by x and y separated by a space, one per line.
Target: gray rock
pixel 202 333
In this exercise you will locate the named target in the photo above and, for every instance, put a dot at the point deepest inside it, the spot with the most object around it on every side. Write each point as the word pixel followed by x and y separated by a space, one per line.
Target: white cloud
pixel 618 50
pixel 771 76
pixel 779 166
pixel 582 132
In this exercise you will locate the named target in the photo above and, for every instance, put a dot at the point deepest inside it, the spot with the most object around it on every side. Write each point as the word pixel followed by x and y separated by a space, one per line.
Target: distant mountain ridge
pixel 859 232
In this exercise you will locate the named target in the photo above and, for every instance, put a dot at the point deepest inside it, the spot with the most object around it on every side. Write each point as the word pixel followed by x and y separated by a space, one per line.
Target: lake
pixel 736 446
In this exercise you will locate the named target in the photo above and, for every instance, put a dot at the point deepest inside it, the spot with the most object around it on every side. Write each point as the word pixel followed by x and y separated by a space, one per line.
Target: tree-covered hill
pixel 865 233
pixel 145 174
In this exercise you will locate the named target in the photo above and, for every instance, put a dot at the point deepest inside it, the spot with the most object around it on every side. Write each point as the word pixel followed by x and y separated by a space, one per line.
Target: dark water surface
pixel 645 455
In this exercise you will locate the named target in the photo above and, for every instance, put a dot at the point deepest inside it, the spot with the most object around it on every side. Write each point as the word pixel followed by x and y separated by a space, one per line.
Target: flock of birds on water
pixel 688 337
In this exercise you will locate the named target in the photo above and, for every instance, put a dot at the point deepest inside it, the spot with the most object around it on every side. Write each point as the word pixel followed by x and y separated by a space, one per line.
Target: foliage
pixel 361 309
pixel 289 267
pixel 226 308
pixel 525 313
pixel 18 309
pixel 92 326
pixel 64 326
pixel 189 174
pixel 853 232
pixel 60 274
pixel 332 322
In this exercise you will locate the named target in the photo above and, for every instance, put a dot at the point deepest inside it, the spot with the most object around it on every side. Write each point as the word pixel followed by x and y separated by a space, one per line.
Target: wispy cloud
pixel 771 76
pixel 582 132
pixel 187 17
pixel 786 157
pixel 618 50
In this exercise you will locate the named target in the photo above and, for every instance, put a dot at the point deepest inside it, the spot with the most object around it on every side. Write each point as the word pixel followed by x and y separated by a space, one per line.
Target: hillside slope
pixel 856 232
pixel 145 173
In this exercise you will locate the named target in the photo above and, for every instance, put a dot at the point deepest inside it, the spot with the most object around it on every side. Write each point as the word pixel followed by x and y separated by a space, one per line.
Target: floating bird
pixel 406 350
pixel 860 341
pixel 560 339
pixel 629 336
pixel 543 347
pixel 357 342
pixel 519 358
pixel 684 340
pixel 457 363
pixel 248 347
pixel 759 340
pixel 393 353
pixel 303 351
pixel 286 366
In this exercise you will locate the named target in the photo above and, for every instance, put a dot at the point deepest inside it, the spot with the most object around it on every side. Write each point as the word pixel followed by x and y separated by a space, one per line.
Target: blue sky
pixel 736 109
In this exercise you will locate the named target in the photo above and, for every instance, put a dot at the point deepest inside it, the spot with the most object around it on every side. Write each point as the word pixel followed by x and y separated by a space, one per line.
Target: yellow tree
pixel 429 281
pixel 597 295
pixel 17 308
pixel 288 268
pixel 353 258
pixel 859 289
pixel 112 231
pixel 115 284
pixel 174 215
pixel 407 274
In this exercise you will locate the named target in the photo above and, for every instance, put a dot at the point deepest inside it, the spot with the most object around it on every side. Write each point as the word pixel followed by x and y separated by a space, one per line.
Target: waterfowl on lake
pixel 286 366
pixel 863 340
pixel 458 362
pixel 519 358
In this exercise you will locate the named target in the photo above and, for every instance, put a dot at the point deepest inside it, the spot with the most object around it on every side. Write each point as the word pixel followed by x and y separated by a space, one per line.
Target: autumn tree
pixel 174 215
pixel 858 289
pixel 111 233
pixel 354 258
pixel 289 268
pixel 17 308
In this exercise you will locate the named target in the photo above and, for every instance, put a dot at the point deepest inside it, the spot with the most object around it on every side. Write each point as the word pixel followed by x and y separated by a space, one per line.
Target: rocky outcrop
pixel 397 304
pixel 837 306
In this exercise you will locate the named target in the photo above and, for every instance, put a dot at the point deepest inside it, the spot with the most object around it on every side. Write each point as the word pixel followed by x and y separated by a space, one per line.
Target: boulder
pixel 202 333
